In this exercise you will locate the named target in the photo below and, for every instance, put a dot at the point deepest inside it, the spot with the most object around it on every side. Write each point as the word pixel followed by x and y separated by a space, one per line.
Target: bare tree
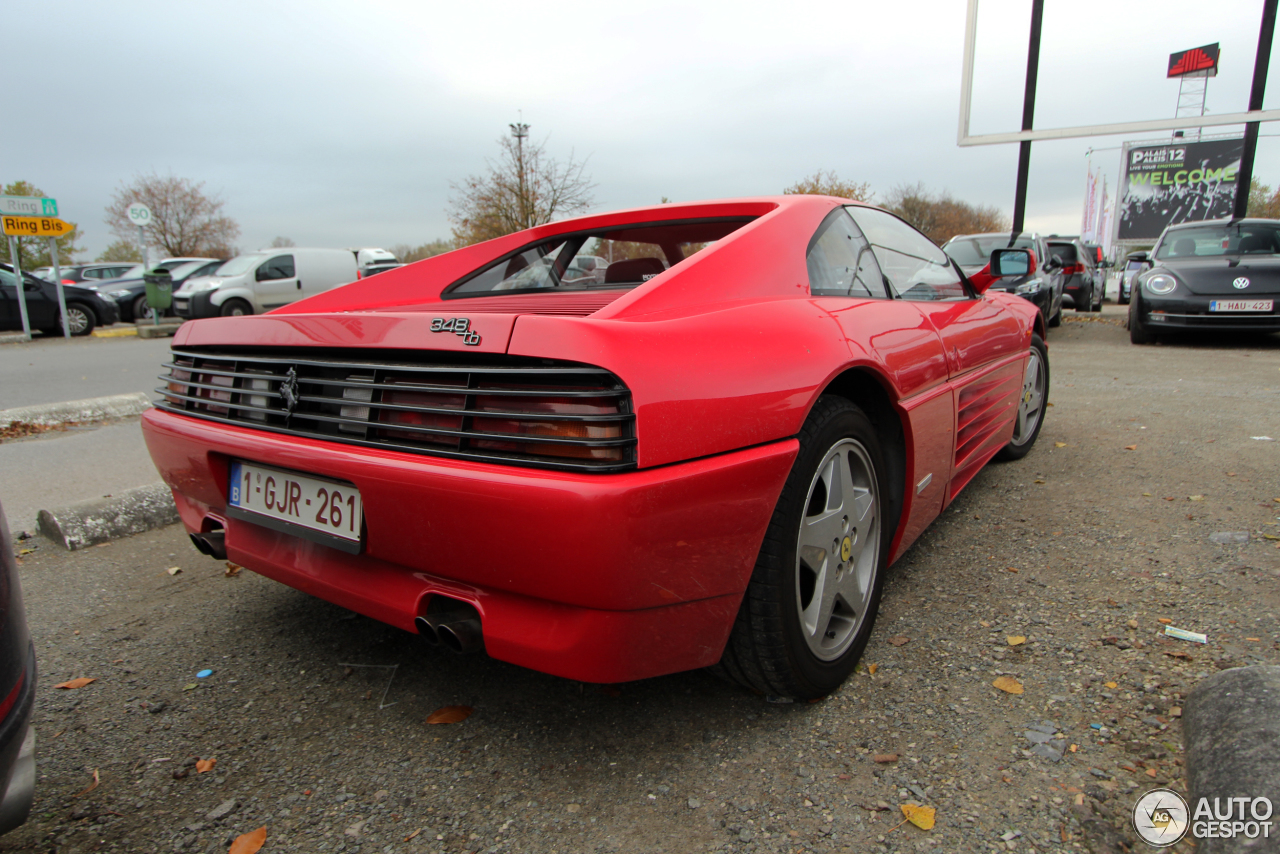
pixel 121 250
pixel 282 243
pixel 407 254
pixel 524 187
pixel 184 220
pixel 828 183
pixel 942 217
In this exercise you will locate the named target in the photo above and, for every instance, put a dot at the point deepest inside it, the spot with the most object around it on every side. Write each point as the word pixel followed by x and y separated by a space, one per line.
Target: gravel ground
pixel 317 717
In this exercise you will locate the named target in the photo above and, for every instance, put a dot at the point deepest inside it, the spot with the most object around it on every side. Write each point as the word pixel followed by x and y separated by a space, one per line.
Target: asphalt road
pixel 53 370
pixel 316 717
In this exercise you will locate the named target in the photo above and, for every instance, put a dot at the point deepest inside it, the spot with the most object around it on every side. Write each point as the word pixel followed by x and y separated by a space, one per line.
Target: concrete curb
pixel 12 338
pixel 99 520
pixel 92 409
pixel 1231 728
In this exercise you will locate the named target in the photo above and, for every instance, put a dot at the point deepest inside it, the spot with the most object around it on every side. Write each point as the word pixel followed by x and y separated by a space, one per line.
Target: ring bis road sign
pixel 139 214
pixel 28 206
pixel 35 226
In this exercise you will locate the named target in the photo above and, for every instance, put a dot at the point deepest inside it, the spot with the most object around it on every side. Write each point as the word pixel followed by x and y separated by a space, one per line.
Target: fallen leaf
pixel 1059 444
pixel 92 785
pixel 411 835
pixel 1146 495
pixel 885 758
pixel 921 817
pixel 1131 447
pixel 1175 711
pixel 450 715
pixel 203 765
pixel 1170 498
pixel 1112 685
pixel 1195 498
pixel 1074 748
pixel 190 686
pixel 1010 569
pixel 1177 654
pixel 1016 640
pixel 1008 684
pixel 1151 772
pixel 249 843
pixel 899 640
pixel 233 569
pixel 984 623
pixel 174 570
pixel 1165 620
pixel 1255 640
pixel 77 683
pixel 1039 480
pixel 872 668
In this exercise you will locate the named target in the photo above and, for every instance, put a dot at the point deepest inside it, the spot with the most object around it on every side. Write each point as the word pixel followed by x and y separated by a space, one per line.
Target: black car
pixel 1209 276
pixel 972 252
pixel 1135 263
pixel 85 308
pixel 131 294
pixel 1081 283
pixel 17 694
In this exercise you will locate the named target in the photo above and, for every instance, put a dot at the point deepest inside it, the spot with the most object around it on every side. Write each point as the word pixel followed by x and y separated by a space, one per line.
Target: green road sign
pixel 28 206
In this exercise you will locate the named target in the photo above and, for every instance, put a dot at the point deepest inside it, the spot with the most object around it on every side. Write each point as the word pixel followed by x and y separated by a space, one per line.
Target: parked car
pixel 85 307
pixel 1081 285
pixel 632 440
pixel 131 294
pixel 91 274
pixel 262 281
pixel 371 260
pixel 1135 263
pixel 17 693
pixel 1044 287
pixel 1209 276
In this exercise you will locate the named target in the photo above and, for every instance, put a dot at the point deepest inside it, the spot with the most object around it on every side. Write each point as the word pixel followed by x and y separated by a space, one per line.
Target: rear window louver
pixel 540 413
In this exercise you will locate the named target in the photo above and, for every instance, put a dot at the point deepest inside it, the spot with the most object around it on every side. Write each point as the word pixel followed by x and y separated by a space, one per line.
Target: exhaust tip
pixel 211 543
pixel 461 636
pixel 200 544
pixel 426 631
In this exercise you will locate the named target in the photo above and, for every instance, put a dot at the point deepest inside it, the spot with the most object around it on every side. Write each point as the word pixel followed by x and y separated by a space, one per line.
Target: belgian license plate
pixel 1240 305
pixel 318 504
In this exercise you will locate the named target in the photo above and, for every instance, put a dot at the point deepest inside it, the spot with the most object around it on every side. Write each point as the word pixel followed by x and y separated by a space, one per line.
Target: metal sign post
pixel 57 278
pixel 140 215
pixel 21 286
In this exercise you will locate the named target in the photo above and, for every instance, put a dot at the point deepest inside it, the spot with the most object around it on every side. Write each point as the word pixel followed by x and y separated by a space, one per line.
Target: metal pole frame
pixel 1028 116
pixel 1261 62
pixel 20 284
pixel 964 138
pixel 57 278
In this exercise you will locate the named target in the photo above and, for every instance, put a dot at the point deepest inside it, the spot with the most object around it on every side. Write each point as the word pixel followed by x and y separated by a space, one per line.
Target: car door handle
pixel 299 284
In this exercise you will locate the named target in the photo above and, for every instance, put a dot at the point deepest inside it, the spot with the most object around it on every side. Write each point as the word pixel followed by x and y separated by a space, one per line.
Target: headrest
pixel 1254 243
pixel 1184 246
pixel 632 271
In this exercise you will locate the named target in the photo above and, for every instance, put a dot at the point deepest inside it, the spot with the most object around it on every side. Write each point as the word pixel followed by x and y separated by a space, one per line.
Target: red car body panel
pixel 617 576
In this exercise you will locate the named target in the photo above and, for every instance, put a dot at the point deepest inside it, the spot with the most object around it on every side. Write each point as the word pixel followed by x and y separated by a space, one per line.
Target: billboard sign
pixel 1167 184
pixel 1199 61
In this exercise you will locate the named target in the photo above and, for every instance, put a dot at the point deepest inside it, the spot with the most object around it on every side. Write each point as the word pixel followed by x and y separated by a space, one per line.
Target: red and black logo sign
pixel 1198 60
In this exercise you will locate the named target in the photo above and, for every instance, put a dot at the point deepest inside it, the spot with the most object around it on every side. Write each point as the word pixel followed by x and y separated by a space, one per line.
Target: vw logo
pixel 1240 283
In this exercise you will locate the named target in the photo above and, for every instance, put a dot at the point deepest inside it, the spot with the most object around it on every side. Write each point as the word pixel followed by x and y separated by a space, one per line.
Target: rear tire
pixel 80 319
pixel 236 308
pixel 813 596
pixel 1056 320
pixel 1032 403
pixel 140 308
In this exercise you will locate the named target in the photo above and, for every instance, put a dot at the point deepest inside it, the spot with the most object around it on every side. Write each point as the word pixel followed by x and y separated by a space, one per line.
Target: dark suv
pixel 1081 283
pixel 972 252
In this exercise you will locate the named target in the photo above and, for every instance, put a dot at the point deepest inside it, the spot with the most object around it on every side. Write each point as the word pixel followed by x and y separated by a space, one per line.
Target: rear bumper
pixel 17 753
pixel 195 306
pixel 596 577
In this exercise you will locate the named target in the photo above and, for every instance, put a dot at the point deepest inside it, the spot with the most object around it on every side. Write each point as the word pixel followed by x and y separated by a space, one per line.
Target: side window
pixel 279 267
pixel 915 267
pixel 841 262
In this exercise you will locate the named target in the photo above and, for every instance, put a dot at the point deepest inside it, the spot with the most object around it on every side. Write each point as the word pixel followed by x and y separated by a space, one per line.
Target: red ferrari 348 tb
pixel 614 447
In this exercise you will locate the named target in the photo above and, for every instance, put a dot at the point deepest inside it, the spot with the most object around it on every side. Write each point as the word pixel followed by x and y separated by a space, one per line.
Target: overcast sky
pixel 343 124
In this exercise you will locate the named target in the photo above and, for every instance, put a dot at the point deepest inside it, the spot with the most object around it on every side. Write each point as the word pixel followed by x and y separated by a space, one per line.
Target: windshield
pixel 976 251
pixel 239 264
pixel 617 258
pixel 180 271
pixel 1210 241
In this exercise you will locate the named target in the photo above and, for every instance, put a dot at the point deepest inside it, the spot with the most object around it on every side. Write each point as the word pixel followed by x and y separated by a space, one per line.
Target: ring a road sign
pixel 139 214
pixel 28 206
pixel 35 226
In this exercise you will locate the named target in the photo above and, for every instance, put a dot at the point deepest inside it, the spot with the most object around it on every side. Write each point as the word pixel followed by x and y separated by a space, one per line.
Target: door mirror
pixel 1011 262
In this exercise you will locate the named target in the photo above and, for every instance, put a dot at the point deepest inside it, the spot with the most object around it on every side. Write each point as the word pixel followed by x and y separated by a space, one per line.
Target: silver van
pixel 260 281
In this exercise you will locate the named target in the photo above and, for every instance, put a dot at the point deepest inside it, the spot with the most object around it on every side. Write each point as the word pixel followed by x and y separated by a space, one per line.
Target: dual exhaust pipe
pixel 211 543
pixel 457 628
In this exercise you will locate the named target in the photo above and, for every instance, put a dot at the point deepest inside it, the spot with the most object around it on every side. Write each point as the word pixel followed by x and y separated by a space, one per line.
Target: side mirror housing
pixel 1012 262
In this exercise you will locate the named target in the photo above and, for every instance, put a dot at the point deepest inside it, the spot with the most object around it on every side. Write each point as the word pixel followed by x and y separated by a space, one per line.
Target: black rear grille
pixel 531 412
